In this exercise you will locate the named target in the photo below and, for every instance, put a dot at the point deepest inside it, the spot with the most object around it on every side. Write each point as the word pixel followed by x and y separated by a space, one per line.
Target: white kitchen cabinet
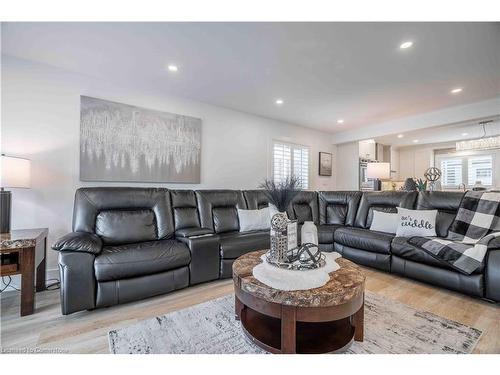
pixel 368 150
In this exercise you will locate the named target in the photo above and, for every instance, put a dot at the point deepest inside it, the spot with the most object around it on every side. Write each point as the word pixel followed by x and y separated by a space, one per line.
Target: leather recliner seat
pixel 138 259
pixel 366 247
pixel 411 261
pixel 219 212
pixel 447 204
pixel 336 210
pixel 133 243
pixel 304 207
pixel 122 248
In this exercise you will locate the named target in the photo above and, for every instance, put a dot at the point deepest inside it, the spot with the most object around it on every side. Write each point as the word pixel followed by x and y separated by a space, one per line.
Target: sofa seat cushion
pixel 325 233
pixel 403 249
pixel 138 259
pixel 235 244
pixel 364 239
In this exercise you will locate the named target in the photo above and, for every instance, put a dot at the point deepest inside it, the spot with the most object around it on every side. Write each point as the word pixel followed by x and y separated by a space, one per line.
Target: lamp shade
pixel 378 170
pixel 15 173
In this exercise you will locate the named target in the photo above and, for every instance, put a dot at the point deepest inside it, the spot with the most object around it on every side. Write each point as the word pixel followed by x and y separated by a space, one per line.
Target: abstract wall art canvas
pixel 325 164
pixel 120 142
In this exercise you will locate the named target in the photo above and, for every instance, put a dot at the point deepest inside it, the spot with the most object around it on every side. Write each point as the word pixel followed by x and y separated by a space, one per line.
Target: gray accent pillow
pixel 384 221
pixel 254 219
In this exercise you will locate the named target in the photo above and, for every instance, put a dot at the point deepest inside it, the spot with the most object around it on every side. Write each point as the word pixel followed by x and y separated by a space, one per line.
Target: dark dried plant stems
pixel 282 193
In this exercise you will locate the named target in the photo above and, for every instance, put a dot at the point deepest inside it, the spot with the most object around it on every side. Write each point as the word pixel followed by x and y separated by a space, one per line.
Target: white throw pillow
pixel 385 221
pixel 254 219
pixel 273 210
pixel 416 223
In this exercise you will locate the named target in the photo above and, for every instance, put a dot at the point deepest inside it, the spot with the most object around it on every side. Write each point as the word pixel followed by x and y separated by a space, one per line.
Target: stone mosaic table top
pixel 21 238
pixel 345 284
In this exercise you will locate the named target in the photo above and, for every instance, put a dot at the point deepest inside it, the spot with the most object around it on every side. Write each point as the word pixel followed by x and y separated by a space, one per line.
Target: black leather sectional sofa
pixel 132 243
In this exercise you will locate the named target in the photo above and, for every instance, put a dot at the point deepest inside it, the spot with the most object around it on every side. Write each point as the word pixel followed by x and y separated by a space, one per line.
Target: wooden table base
pixel 286 335
pixel 30 245
pixel 320 320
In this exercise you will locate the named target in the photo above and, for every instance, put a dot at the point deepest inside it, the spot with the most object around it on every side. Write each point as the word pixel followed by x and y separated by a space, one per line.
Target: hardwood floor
pixel 86 331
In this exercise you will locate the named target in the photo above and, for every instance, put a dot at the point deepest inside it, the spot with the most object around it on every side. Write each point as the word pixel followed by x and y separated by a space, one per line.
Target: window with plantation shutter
pixel 466 170
pixel 291 159
pixel 480 168
pixel 282 161
pixel 451 170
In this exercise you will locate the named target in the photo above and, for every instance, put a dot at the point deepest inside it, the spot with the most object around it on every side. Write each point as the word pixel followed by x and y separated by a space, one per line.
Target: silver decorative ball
pixel 311 256
pixel 279 221
pixel 432 174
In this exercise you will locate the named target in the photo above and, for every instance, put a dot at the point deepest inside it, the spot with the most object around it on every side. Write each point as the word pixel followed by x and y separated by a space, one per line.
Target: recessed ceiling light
pixel 340 121
pixel 465 134
pixel 172 68
pixel 279 101
pixel 406 45
pixel 415 141
pixel 400 135
pixel 457 90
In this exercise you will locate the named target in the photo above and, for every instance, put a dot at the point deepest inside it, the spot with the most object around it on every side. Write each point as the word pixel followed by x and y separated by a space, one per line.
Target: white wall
pixel 40 120
pixel 414 160
pixel 347 166
pixel 395 163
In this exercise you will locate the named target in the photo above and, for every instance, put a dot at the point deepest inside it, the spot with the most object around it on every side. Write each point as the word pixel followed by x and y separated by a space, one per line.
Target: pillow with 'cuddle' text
pixel 416 223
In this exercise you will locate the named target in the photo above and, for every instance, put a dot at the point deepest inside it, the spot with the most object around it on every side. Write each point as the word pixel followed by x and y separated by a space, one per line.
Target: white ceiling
pixel 447 133
pixel 323 71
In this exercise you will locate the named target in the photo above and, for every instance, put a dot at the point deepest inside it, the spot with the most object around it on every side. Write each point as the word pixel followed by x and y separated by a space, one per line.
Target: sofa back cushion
pixel 385 201
pixel 145 213
pixel 185 209
pixel 218 209
pixel 304 207
pixel 125 226
pixel 225 219
pixel 338 207
pixel 255 199
pixel 447 204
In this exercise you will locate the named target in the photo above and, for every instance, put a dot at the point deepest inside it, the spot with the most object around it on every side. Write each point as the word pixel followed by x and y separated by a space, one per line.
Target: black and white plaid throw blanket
pixel 476 224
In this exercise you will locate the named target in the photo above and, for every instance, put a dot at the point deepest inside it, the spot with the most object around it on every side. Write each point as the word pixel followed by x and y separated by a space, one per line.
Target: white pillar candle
pixel 309 233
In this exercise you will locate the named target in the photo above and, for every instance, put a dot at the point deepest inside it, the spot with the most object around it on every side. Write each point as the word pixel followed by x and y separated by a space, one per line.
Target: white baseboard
pixel 51 274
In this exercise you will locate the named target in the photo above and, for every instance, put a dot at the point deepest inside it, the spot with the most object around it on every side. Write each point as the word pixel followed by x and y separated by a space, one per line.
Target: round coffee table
pixel 320 320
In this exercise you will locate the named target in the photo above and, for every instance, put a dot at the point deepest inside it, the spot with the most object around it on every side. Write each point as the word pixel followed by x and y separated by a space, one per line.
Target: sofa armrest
pixel 78 284
pixel 492 275
pixel 81 242
pixel 205 259
pixel 494 244
pixel 192 232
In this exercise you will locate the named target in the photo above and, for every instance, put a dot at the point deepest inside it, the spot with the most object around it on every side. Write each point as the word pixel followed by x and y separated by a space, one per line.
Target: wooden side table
pixel 23 253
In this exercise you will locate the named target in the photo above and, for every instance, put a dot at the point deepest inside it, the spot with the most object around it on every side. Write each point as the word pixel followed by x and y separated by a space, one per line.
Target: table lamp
pixel 378 172
pixel 15 173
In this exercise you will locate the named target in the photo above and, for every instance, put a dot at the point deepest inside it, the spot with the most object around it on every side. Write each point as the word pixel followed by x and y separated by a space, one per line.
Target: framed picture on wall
pixel 325 164
pixel 121 142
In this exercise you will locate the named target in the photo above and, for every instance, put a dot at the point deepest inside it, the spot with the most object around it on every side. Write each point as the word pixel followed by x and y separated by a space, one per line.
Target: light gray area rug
pixel 210 328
